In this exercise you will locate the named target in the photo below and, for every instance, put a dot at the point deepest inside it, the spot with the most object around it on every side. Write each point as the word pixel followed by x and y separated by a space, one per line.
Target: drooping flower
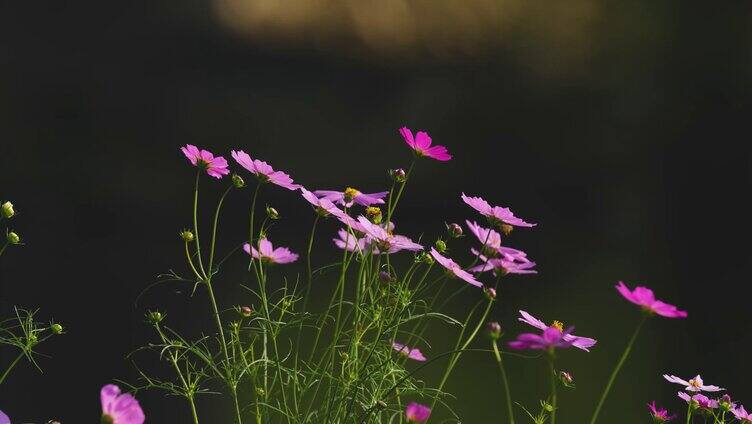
pixel 348 241
pixel 502 266
pixel 497 215
pixel 584 343
pixel 412 353
pixel 421 143
pixel 660 415
pixel 454 269
pixel 4 418
pixel 551 338
pixel 268 254
pixel 323 207
pixel 693 385
pixel 215 166
pixel 417 413
pixel 263 171
pixel 644 297
pixel 700 400
pixel 740 413
pixel 120 408
pixel 385 240
pixel 350 195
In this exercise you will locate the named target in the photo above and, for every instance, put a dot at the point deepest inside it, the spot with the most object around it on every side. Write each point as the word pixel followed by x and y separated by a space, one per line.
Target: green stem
pixel 214 229
pixel 253 214
pixel 4 246
pixel 504 381
pixel 195 225
pixel 10 367
pixel 689 412
pixel 393 206
pixel 618 367
pixel 552 371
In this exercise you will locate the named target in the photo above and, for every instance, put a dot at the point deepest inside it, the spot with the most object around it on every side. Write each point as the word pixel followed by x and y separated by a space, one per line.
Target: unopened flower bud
pixel 237 181
pixel 13 238
pixel 32 339
pixel 187 236
pixel 7 210
pixel 245 311
pixel 154 317
pixel 272 213
pixel 235 326
pixel 490 293
pixel 454 230
pixel 374 214
pixel 440 245
pixel 260 391
pixel 425 258
pixel 493 329
pixel 56 328
pixel 725 403
pixel 398 175
pixel 506 229
pixel 566 379
pixel 381 405
pixel 385 277
pixel 547 406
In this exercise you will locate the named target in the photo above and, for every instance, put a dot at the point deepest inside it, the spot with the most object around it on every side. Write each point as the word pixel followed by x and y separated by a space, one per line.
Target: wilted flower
pixel 120 408
pixel 454 230
pixel 398 175
pixel 350 195
pixel 551 338
pixel 493 329
pixel 454 269
pixel 268 254
pixel 417 413
pixel 13 238
pixel 659 415
pixel 385 240
pixel 412 353
pixel 421 143
pixel 263 170
pixel 693 385
pixel 187 236
pixel 644 297
pixel 584 343
pixel 215 166
pixel 6 209
pixel 497 215
pixel 699 400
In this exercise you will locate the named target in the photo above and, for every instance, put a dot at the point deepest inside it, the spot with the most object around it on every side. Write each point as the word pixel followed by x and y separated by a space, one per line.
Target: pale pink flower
pixel 412 353
pixel 268 254
pixel 323 206
pixel 385 240
pixel 742 415
pixel 120 408
pixel 584 343
pixel 421 143
pixel 350 196
pixel 495 214
pixel 263 170
pixel 215 166
pixel 693 385
pixel 348 241
pixel 701 400
pixel 503 266
pixel 644 297
pixel 454 269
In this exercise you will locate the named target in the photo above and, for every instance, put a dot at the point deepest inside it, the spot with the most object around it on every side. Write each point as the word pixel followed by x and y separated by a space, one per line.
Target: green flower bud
pixel 56 328
pixel 272 213
pixel 154 317
pixel 398 175
pixel 373 214
pixel 187 236
pixel 424 257
pixel 13 238
pixel 440 245
pixel 32 339
pixel 454 230
pixel 237 181
pixel 7 210
pixel 493 329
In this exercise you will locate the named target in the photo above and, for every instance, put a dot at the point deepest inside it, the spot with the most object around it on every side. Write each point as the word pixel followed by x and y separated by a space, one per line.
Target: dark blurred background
pixel 621 127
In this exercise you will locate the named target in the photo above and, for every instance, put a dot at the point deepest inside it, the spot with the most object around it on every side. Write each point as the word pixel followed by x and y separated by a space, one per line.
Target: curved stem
pixel 504 381
pixel 616 370
pixel 214 229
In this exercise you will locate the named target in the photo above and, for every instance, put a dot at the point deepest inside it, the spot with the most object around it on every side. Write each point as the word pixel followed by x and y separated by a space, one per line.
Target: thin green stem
pixel 195 225
pixel 12 364
pixel 554 396
pixel 617 369
pixel 689 412
pixel 393 205
pixel 505 382
pixel 214 229
pixel 3 248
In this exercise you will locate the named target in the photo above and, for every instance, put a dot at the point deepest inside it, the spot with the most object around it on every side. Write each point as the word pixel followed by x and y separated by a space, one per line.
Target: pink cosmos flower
pixel 584 343
pixel 385 240
pixel 120 408
pixel 740 413
pixel 701 400
pixel 4 418
pixel 551 338
pixel 215 166
pixel 350 195
pixel 324 207
pixel 346 240
pixel 644 297
pixel 659 415
pixel 263 170
pixel 502 266
pixel 268 254
pixel 412 353
pixel 693 385
pixel 493 246
pixel 417 413
pixel 495 214
pixel 454 269
pixel 422 145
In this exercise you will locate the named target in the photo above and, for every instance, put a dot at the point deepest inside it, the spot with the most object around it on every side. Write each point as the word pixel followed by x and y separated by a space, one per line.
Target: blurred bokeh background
pixel 621 127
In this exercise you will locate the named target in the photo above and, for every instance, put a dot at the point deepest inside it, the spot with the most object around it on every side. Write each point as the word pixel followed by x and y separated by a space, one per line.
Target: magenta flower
pixel 350 195
pixel 268 254
pixel 740 413
pixel 644 297
pixel 417 413
pixel 454 269
pixel 412 353
pixel 584 343
pixel 215 166
pixel 659 415
pixel 502 266
pixel 551 338
pixel 4 418
pixel 701 400
pixel 346 240
pixel 385 240
pixel 496 214
pixel 120 408
pixel 693 385
pixel 324 207
pixel 422 145
pixel 263 170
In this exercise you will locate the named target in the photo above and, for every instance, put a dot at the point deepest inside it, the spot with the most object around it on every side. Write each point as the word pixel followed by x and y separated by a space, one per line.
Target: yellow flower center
pixel 350 193
pixel 558 325
pixel 694 383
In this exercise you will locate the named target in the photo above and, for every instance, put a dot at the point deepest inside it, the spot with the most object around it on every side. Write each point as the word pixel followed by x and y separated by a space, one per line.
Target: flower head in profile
pixel 384 240
pixel 118 408
pixel 740 413
pixel 263 171
pixel 497 215
pixel 417 413
pixel 584 343
pixel 323 207
pixel 421 143
pixel 215 166
pixel 699 400
pixel 351 196
pixel 693 385
pixel 412 353
pixel 551 338
pixel 644 297
pixel 503 266
pixel 350 242
pixel 454 269
pixel 268 254
pixel 4 418
pixel 660 415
